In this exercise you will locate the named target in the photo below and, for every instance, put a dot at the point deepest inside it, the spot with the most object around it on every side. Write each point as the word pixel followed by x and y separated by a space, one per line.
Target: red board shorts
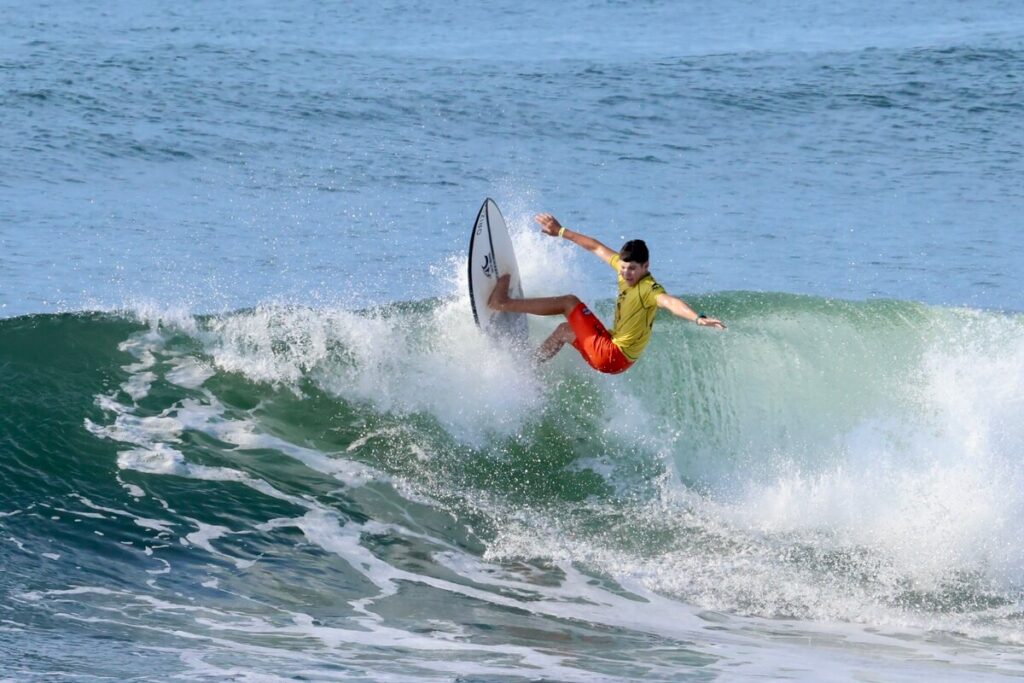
pixel 595 343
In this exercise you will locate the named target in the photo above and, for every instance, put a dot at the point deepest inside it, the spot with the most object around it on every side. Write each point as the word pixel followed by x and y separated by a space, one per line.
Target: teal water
pixel 248 431
pixel 264 494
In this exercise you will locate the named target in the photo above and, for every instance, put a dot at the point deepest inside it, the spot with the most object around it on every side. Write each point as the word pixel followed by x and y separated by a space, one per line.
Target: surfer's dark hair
pixel 634 251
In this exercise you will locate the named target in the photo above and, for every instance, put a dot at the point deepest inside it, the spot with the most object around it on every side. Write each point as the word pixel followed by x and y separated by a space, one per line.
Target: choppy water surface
pixel 218 157
pixel 248 429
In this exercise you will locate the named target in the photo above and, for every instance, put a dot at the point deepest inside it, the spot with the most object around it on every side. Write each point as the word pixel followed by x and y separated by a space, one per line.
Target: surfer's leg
pixel 563 334
pixel 549 305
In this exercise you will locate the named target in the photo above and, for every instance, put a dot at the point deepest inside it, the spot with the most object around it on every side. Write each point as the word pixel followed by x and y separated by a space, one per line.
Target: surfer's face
pixel 632 271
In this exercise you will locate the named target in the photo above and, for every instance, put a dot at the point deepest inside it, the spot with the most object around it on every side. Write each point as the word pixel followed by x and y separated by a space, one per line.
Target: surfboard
pixel 490 256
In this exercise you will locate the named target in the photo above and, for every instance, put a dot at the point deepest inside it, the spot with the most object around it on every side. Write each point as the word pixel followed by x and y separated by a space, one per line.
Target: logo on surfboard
pixel 488 267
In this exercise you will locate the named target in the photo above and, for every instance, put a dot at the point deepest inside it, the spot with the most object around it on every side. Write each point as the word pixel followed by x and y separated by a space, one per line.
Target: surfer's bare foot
pixel 500 294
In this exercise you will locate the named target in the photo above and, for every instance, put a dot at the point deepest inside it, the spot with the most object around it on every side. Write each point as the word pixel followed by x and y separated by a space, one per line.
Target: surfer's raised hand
pixel 549 225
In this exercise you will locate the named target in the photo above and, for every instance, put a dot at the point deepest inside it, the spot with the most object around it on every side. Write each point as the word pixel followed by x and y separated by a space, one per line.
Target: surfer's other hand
pixel 710 322
pixel 549 225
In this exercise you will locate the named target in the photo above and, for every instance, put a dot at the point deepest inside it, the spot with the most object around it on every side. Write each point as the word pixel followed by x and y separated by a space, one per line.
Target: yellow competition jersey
pixel 634 313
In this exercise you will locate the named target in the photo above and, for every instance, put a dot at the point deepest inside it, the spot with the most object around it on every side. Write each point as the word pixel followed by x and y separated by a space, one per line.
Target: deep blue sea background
pixel 249 432
pixel 219 156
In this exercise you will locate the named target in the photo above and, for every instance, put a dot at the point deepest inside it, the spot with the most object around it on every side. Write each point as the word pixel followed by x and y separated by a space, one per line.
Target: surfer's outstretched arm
pixel 550 226
pixel 680 308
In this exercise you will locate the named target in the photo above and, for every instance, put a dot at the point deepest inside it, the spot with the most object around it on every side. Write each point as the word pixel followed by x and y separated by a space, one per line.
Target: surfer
pixel 640 297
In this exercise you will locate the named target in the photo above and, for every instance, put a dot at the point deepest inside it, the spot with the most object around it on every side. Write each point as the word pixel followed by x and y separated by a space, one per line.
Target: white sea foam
pixel 936 491
pixel 203 537
pixel 133 490
pixel 189 372
pixel 160 315
pixel 438 364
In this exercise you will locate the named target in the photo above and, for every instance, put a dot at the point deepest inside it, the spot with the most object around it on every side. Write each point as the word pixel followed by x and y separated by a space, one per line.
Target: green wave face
pixel 235 482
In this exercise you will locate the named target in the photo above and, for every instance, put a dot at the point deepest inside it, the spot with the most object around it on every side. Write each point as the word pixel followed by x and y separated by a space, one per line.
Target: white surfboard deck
pixel 490 256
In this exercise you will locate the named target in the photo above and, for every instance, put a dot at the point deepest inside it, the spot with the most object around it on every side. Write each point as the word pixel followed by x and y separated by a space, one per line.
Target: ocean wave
pixel 827 460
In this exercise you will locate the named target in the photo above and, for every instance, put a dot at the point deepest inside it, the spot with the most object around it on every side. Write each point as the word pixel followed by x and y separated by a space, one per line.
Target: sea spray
pixel 838 462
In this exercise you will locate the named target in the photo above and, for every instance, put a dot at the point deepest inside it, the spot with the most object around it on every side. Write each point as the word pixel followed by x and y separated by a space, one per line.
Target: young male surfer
pixel 640 297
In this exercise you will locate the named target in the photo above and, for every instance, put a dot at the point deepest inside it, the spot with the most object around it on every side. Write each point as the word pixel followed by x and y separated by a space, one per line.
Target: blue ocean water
pixel 249 432
pixel 221 157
